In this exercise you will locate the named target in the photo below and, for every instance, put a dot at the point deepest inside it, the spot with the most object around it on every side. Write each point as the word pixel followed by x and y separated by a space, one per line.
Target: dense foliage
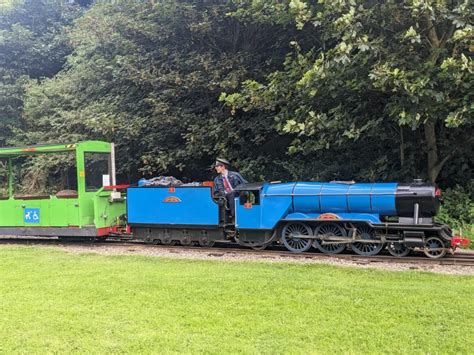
pixel 345 89
pixel 33 45
pixel 148 76
pixel 457 209
pixel 388 85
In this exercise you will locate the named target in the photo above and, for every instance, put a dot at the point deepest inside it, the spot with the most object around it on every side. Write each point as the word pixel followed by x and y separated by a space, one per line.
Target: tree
pixel 32 45
pixel 148 76
pixel 379 73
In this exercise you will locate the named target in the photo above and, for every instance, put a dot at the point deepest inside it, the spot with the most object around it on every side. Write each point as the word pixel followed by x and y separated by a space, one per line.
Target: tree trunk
pixel 434 164
pixel 402 148
pixel 437 43
pixel 430 136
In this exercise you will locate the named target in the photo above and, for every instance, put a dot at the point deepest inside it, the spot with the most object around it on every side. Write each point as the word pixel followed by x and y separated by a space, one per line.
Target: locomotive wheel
pixel 363 248
pixel 266 244
pixel 292 236
pixel 206 243
pixel 329 230
pixel 259 247
pixel 186 242
pixel 434 248
pixel 398 250
pixel 168 241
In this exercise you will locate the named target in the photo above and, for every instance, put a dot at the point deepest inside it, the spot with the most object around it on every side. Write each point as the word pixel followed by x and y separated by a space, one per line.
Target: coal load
pixel 165 181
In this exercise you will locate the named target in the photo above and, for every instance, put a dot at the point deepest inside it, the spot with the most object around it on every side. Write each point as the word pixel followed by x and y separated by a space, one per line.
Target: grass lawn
pixel 52 301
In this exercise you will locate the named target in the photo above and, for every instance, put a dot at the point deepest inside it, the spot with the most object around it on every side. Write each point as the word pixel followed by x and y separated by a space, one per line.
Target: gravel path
pixel 182 253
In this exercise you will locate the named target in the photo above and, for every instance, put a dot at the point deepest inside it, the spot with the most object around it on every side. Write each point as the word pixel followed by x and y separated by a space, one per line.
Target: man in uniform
pixel 226 182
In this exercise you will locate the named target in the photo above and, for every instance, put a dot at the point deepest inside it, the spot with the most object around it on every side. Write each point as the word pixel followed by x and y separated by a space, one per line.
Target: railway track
pixel 231 250
pixel 457 259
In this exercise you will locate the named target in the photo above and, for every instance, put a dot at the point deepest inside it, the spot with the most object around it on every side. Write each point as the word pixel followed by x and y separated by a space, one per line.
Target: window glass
pixel 97 170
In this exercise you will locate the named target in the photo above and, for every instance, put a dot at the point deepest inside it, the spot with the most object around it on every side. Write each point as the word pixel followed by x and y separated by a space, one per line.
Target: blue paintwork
pixel 282 201
pixel 277 207
pixel 383 198
pixel 270 211
pixel 359 198
pixel 146 205
pixel 307 203
pixel 307 200
pixel 334 198
pixel 248 217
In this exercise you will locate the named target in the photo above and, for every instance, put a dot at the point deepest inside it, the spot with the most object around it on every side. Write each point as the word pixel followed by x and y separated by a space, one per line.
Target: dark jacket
pixel 235 179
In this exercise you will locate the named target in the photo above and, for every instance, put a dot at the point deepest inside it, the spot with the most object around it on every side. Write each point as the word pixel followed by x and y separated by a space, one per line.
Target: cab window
pixel 252 197
pixel 97 169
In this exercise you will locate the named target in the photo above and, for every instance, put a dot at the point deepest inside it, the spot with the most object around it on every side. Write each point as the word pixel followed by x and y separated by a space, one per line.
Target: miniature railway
pixel 332 217
pixel 227 249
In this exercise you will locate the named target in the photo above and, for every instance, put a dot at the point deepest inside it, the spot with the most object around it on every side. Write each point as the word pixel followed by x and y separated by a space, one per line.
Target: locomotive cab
pixel 256 215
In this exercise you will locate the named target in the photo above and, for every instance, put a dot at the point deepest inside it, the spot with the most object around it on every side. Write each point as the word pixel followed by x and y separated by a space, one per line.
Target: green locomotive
pixel 89 207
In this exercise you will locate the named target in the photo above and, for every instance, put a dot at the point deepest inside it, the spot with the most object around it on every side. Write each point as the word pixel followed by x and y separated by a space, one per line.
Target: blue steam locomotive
pixel 331 217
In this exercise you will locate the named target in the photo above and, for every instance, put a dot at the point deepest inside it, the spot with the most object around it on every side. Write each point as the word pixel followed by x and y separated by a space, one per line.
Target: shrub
pixel 457 209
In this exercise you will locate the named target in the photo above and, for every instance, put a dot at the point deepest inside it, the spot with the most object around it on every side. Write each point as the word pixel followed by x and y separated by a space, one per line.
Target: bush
pixel 457 210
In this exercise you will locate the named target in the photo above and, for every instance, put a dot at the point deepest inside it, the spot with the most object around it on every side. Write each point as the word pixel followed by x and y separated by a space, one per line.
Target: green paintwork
pixel 89 209
pixel 41 149
pixel 107 213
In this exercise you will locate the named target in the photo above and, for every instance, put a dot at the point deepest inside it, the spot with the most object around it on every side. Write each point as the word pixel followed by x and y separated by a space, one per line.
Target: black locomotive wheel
pixel 398 250
pixel 366 248
pixel 434 248
pixel 206 243
pixel 168 241
pixel 266 244
pixel 292 236
pixel 186 242
pixel 329 230
pixel 259 247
